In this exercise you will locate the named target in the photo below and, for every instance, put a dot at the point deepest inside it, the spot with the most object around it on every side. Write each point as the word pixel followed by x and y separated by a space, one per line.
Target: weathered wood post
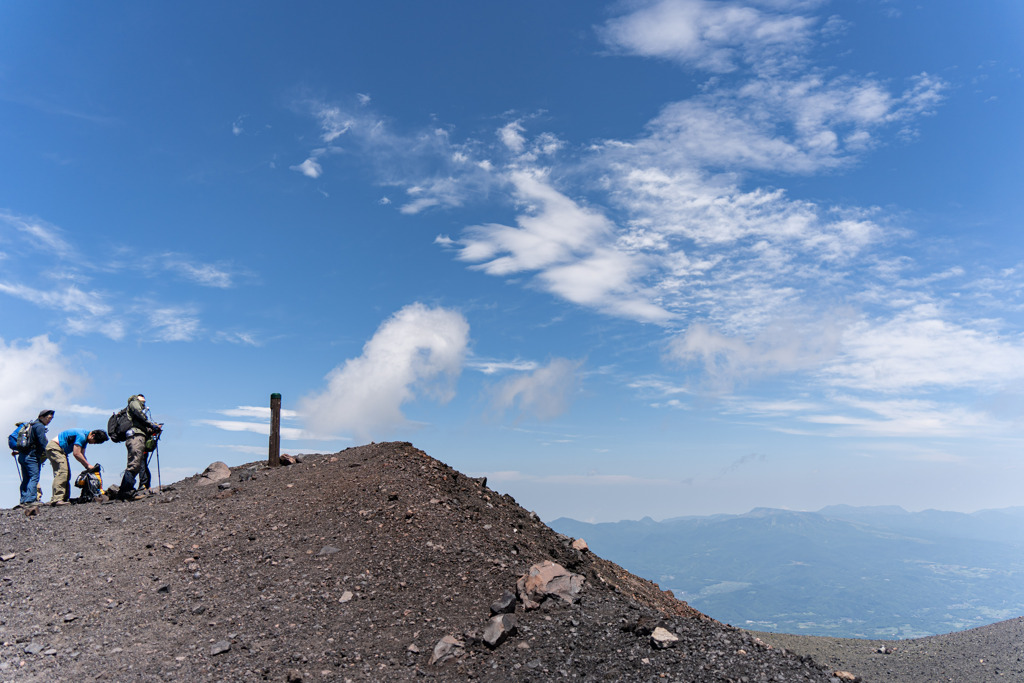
pixel 275 430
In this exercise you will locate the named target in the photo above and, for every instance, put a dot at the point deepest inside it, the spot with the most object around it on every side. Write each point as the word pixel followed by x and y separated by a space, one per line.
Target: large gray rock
pixel 214 473
pixel 549 580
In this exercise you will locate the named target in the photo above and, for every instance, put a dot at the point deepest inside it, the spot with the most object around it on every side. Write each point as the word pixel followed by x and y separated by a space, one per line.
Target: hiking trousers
pixel 30 466
pixel 61 471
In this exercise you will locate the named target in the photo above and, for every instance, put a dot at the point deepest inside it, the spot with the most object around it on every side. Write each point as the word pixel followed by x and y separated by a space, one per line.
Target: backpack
pixel 20 440
pixel 91 484
pixel 118 425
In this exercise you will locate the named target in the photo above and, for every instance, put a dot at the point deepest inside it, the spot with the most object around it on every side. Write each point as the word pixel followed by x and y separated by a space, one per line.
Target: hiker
pixel 138 440
pixel 69 442
pixel 31 461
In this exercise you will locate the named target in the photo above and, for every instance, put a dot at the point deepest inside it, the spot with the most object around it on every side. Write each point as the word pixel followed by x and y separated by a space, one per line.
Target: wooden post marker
pixel 275 430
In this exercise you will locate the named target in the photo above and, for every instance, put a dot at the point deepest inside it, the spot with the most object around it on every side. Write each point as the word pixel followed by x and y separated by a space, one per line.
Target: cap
pixel 44 413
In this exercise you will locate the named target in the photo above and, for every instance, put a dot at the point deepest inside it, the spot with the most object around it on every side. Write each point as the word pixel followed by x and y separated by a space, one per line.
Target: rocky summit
pixel 378 563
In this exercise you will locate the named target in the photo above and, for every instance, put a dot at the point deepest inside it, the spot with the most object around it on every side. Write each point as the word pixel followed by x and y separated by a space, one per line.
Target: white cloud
pixel 511 136
pixel 263 428
pixel 565 242
pixel 418 351
pixel 716 36
pixel 778 348
pixel 34 376
pixel 202 273
pixel 39 233
pixel 244 338
pixel 262 412
pixel 309 168
pixel 918 348
pixel 170 323
pixel 544 393
pixel 88 311
pixel 490 367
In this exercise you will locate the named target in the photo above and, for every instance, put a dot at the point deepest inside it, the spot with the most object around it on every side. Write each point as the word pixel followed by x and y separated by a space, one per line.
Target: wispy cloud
pixel 172 324
pixel 417 351
pixel 261 412
pixel 544 392
pixel 39 233
pixel 205 274
pixel 88 311
pixel 491 367
pixel 263 428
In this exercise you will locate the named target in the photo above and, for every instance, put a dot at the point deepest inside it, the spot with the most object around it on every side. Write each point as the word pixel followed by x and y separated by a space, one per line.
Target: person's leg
pixel 30 467
pixel 55 456
pixel 136 446
pixel 144 475
pixel 61 483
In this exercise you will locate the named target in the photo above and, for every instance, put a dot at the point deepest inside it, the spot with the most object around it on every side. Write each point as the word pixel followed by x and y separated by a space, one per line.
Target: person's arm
pixel 38 438
pixel 79 452
pixel 138 415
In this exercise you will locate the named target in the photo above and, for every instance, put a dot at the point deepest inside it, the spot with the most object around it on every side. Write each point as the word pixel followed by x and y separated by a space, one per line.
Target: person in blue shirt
pixel 31 461
pixel 69 442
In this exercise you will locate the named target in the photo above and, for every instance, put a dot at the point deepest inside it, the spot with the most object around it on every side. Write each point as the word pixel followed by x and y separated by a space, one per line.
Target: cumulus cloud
pixel 715 36
pixel 418 351
pixel 544 393
pixel 310 168
pixel 34 375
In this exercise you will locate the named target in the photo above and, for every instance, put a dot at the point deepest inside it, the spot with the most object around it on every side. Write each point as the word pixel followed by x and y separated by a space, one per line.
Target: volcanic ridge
pixel 377 563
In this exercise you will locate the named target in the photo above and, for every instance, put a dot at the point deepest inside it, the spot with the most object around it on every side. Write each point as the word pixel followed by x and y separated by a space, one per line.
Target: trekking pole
pixel 159 483
pixel 17 466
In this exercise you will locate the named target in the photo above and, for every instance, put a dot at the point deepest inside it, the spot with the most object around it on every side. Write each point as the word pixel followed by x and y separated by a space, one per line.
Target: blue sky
pixel 640 258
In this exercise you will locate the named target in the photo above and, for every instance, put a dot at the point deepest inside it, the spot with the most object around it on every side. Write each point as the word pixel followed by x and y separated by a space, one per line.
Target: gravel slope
pixel 989 654
pixel 346 567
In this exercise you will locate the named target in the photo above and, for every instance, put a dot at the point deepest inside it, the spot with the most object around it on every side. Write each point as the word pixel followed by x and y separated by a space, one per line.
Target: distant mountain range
pixel 852 572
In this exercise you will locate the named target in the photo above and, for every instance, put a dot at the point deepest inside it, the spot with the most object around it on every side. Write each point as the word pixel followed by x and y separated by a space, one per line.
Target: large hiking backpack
pixel 118 425
pixel 20 440
pixel 91 484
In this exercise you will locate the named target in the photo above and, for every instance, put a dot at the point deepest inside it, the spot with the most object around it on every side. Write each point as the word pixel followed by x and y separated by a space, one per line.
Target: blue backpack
pixel 20 440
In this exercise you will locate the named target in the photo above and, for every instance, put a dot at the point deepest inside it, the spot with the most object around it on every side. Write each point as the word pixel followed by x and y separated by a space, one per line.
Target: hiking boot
pixel 55 503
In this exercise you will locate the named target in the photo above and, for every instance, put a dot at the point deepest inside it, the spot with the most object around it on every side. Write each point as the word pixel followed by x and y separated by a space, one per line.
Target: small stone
pixel 8 557
pixel 294 676
pixel 580 544
pixel 506 604
pixel 662 638
pixel 498 629
pixel 68 618
pixel 224 485
pixel 50 651
pixel 346 596
pixel 165 588
pixel 327 550
pixel 220 647
pixel 447 648
pixel 413 649
pixel 33 648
